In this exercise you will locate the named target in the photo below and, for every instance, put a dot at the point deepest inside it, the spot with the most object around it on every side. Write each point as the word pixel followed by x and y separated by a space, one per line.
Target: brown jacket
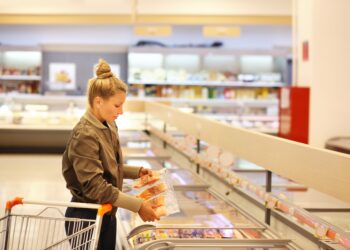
pixel 92 165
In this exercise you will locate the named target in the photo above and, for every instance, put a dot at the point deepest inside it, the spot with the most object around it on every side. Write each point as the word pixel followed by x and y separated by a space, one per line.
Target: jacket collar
pixel 92 118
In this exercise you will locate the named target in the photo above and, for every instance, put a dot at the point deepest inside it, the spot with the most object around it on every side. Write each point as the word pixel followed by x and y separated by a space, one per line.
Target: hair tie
pixel 105 75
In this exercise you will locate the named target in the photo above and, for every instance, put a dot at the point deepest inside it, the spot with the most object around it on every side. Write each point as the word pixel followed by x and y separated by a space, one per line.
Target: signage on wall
pixel 62 76
pixel 221 31
pixel 154 30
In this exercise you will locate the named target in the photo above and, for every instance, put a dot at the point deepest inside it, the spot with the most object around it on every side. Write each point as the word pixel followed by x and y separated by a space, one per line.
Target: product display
pixel 218 66
pixel 213 167
pixel 188 92
pixel 206 80
pixel 20 70
pixel 202 216
pixel 158 191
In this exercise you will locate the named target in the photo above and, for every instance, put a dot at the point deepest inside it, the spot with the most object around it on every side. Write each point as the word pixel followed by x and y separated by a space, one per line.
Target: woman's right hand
pixel 147 213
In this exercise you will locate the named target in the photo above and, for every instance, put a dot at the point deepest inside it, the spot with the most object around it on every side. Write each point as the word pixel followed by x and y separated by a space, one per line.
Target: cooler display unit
pixel 205 221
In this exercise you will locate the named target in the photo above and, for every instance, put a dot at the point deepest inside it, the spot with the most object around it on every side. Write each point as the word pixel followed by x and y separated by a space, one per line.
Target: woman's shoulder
pixel 83 129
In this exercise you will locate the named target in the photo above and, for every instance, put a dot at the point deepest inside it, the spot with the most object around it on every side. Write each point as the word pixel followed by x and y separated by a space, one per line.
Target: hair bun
pixel 103 70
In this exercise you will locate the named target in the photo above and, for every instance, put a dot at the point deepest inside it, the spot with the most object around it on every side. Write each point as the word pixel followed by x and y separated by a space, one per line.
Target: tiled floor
pixel 31 177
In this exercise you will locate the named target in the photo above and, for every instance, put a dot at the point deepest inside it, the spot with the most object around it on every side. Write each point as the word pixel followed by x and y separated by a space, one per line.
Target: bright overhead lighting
pixel 153 30
pixel 229 31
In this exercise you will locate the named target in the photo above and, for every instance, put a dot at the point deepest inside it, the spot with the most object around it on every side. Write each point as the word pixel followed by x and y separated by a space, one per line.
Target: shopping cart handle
pixel 105 208
pixel 14 202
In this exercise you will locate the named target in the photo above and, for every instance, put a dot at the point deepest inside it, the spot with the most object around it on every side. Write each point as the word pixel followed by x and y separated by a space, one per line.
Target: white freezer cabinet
pixel 204 221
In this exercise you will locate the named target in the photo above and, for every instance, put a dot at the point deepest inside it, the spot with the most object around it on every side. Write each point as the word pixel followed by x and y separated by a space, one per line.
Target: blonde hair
pixel 105 84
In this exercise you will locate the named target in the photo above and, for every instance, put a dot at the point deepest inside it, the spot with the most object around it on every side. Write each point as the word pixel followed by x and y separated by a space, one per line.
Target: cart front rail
pixel 49 228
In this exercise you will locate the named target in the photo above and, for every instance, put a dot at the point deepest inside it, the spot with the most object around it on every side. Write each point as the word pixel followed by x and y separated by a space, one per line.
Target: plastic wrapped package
pixel 158 191
pixel 147 180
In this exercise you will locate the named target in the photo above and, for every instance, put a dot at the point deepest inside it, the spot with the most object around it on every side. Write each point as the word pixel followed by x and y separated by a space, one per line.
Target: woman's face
pixel 109 109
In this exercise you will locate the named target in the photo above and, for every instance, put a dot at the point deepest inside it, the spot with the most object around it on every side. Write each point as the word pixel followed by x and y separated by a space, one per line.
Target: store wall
pixel 302 33
pixel 252 37
pixel 84 62
pixel 328 76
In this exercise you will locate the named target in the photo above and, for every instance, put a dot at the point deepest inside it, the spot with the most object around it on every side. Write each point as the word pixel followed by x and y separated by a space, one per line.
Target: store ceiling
pixel 144 11
pixel 217 7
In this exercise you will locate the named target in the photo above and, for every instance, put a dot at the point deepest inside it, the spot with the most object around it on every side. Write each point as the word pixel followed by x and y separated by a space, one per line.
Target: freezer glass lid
pixel 180 177
pixel 202 209
pixel 198 209
pixel 125 136
pixel 144 152
pixel 201 216
pixel 184 177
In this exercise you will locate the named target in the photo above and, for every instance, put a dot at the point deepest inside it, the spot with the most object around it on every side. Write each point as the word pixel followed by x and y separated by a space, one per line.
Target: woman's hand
pixel 147 213
pixel 145 171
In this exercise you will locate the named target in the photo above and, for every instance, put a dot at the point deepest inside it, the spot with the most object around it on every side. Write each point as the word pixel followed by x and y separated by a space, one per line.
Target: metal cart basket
pixel 49 228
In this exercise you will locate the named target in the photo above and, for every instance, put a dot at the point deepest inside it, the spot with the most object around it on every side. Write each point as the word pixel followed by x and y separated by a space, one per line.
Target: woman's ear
pixel 98 101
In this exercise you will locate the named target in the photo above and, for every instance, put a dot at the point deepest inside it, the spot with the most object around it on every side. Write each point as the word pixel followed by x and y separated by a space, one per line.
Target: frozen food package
pixel 160 194
pixel 157 201
pixel 146 180
pixel 153 191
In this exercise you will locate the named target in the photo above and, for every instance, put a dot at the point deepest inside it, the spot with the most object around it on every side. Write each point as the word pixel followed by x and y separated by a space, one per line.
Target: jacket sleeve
pixel 84 155
pixel 131 172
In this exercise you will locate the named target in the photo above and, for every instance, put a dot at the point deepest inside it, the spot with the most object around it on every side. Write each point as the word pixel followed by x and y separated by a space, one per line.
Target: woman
pixel 92 163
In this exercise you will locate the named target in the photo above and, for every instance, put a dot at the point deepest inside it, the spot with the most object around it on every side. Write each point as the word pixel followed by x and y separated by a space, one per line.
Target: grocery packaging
pixel 158 191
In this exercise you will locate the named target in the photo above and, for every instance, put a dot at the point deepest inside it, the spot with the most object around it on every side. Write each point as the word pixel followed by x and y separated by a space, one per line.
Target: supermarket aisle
pixel 33 176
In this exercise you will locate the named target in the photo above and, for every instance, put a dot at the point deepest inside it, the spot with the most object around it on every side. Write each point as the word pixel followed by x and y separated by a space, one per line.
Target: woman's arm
pixel 131 172
pixel 134 172
pixel 84 155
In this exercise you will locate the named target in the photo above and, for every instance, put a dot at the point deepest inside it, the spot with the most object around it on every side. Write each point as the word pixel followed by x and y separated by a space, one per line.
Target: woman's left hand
pixel 145 171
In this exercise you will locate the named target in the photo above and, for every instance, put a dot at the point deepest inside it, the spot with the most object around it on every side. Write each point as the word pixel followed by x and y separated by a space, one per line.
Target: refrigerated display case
pixel 295 161
pixel 204 221
pixel 24 118
pixel 20 69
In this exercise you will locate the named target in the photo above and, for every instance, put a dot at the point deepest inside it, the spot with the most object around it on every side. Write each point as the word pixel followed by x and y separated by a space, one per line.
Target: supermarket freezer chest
pixel 203 220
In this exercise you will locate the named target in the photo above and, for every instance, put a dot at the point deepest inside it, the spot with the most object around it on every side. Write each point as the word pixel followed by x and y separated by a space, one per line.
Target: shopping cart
pixel 48 228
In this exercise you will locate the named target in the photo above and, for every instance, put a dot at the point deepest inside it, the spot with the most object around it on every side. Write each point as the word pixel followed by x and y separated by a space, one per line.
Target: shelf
pixel 79 101
pixel 210 102
pixel 212 83
pixel 36 127
pixel 283 52
pixel 20 77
